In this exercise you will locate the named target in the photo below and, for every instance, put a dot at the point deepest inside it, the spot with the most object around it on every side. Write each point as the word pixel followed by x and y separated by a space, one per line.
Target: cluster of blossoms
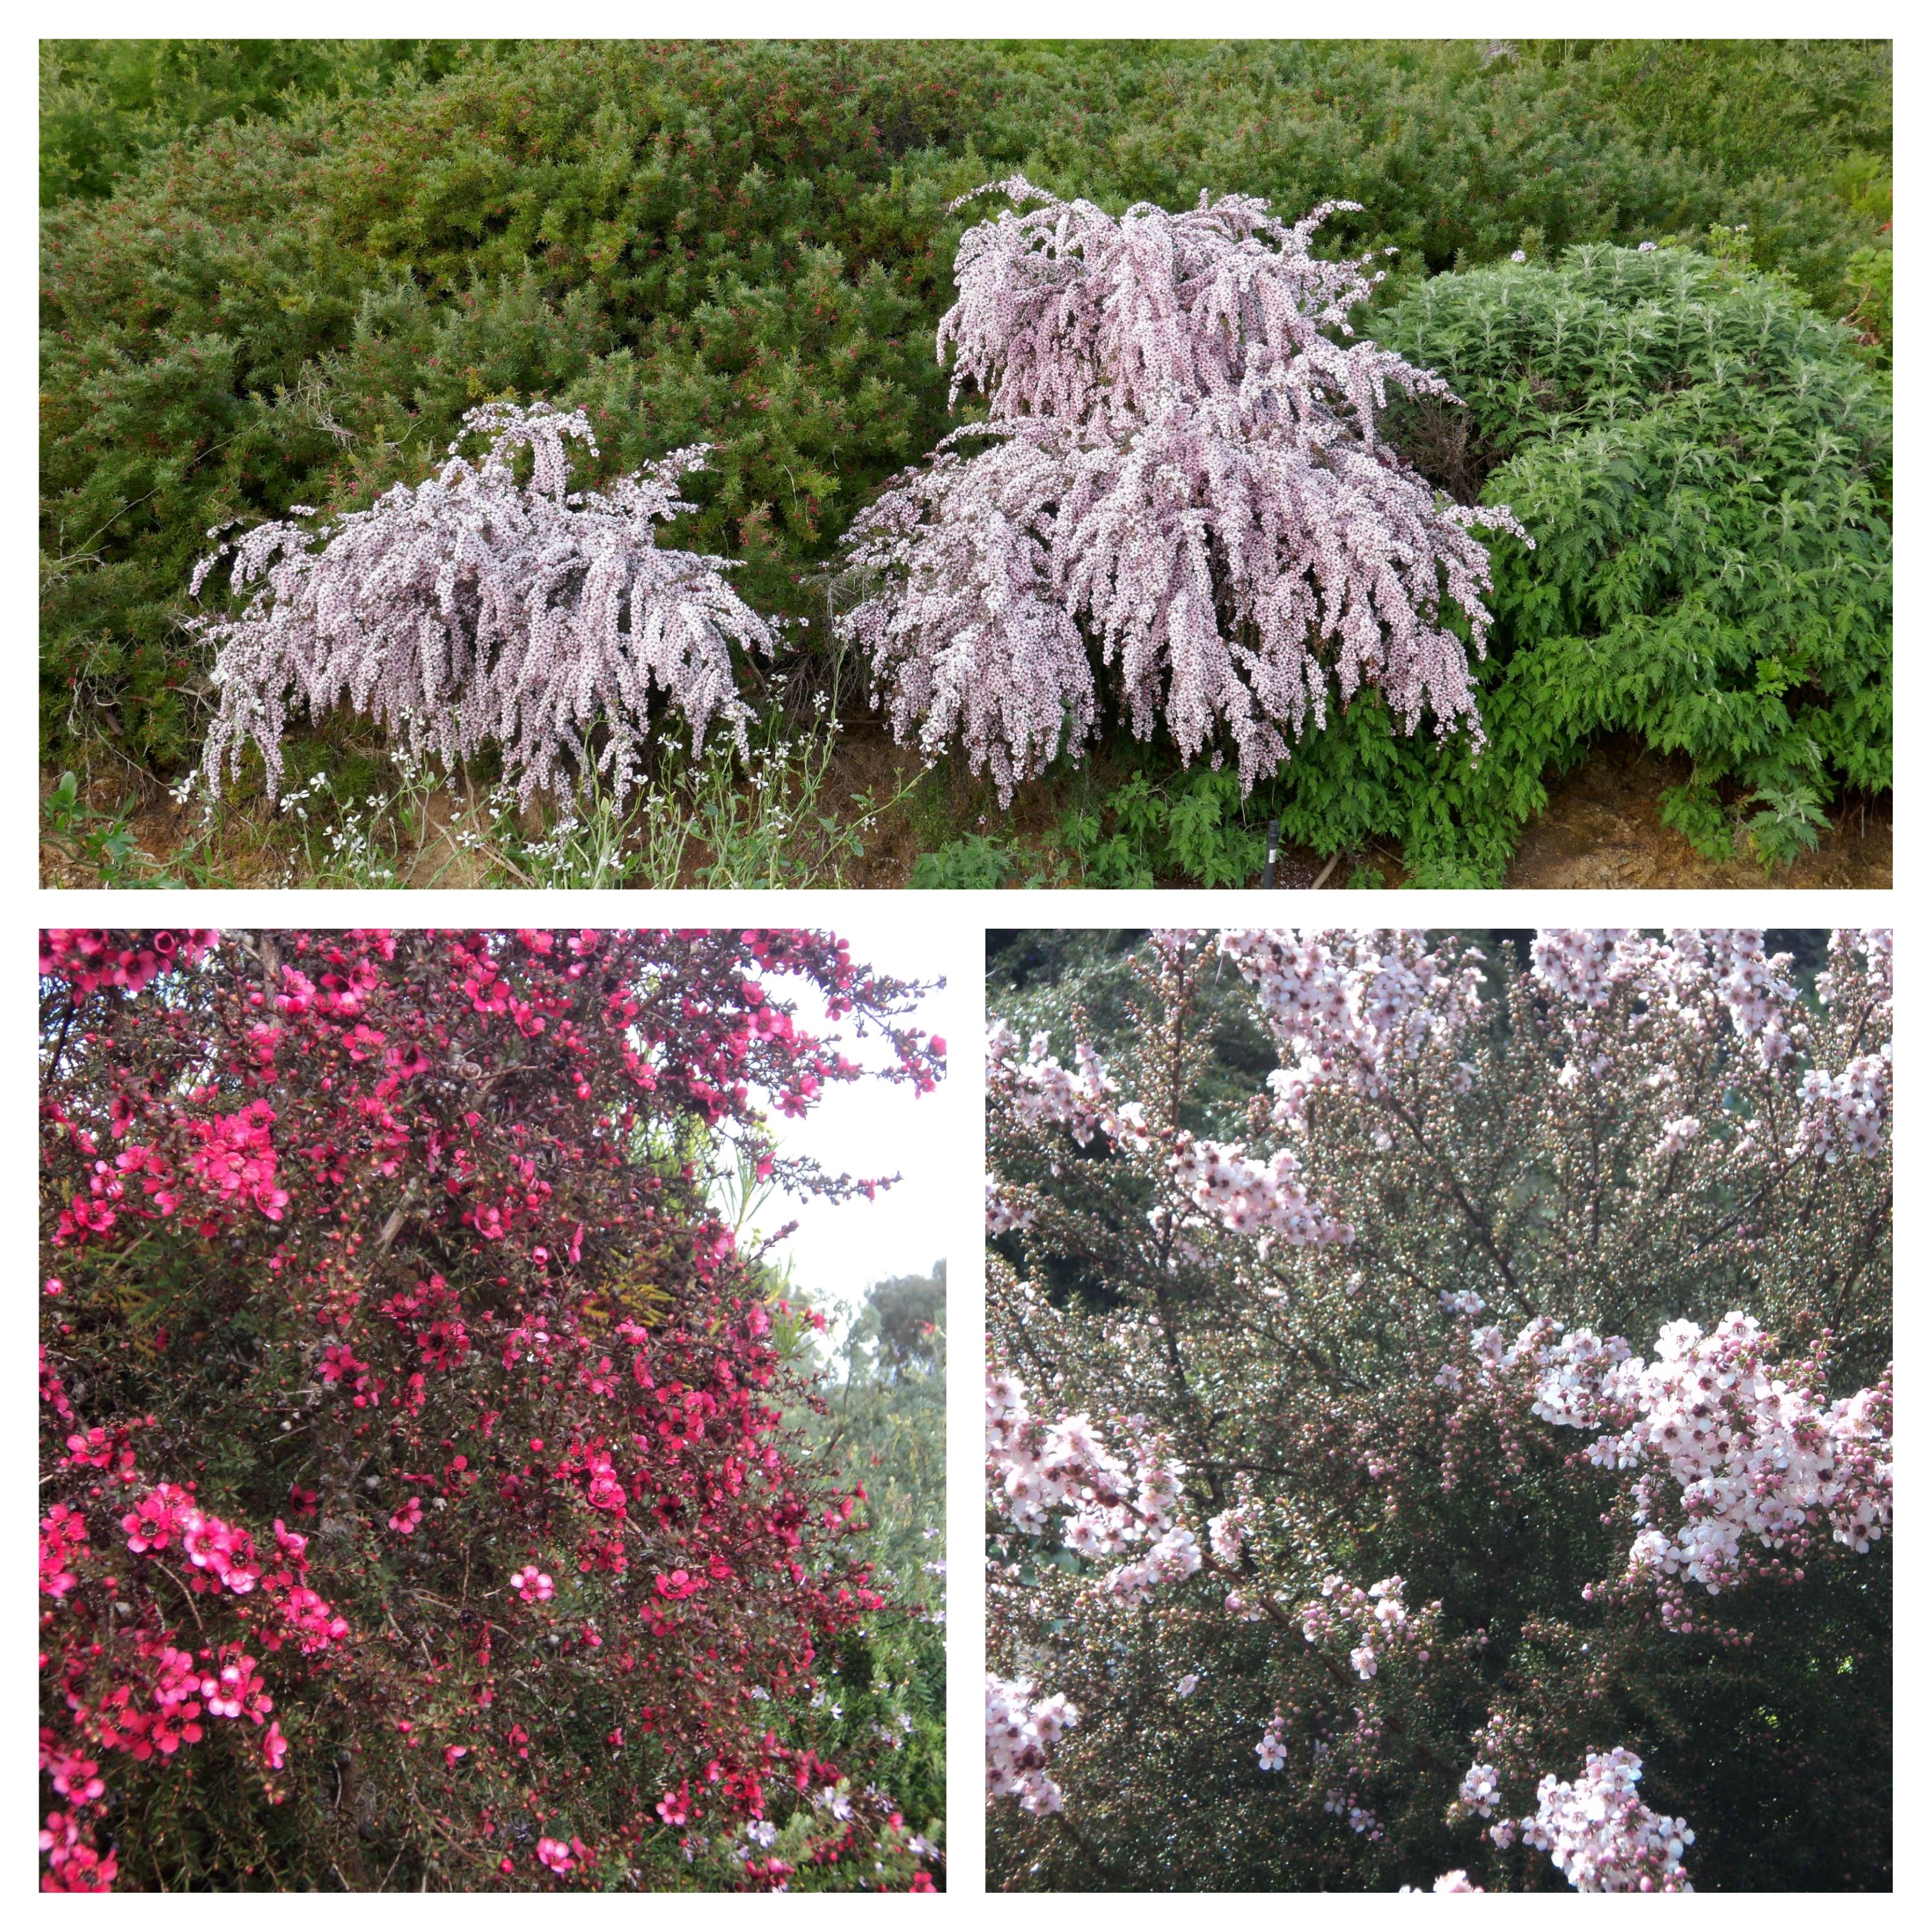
pixel 1241 1194
pixel 89 957
pixel 1373 1622
pixel 1687 985
pixel 1752 1452
pixel 1020 1731
pixel 1845 1113
pixel 1451 1881
pixel 1348 1009
pixel 149 1699
pixel 1252 1197
pixel 1042 1093
pixel 1691 977
pixel 1227 1532
pixel 1601 1836
pixel 1362 1821
pixel 1598 1832
pixel 1186 468
pixel 1032 1468
pixel 1479 1793
pixel 229 1160
pixel 1003 1213
pixel 474 610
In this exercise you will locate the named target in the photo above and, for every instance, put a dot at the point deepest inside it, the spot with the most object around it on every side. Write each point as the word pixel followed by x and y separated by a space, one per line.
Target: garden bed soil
pixel 1601 829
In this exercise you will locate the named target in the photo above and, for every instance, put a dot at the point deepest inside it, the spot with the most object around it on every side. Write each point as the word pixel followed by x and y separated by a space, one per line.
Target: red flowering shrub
pixel 418 1507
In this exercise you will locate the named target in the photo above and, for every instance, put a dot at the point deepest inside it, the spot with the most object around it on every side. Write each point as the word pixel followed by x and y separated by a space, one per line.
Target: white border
pixel 23 906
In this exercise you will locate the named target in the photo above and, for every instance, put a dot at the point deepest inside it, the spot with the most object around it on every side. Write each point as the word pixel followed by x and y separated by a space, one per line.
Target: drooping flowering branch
pixel 1749 1449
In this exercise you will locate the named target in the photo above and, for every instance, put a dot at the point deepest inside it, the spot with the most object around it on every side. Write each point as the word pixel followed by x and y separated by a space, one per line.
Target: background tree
pixel 882 1419
pixel 1325 1487
pixel 420 1508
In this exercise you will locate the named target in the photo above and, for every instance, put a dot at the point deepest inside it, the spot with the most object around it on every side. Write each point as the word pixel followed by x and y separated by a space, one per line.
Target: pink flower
pixel 532 1586
pixel 554 1853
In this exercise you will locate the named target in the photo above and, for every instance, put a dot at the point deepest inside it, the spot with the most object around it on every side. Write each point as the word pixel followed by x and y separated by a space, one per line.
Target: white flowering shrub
pixel 1182 473
pixel 1485 1414
pixel 476 609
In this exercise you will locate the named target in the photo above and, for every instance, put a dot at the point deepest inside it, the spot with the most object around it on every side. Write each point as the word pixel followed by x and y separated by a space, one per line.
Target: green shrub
pixel 975 863
pixel 106 105
pixel 1705 463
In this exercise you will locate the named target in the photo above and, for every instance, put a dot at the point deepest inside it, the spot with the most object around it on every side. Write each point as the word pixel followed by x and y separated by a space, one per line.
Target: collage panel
pixel 966 464
pixel 1439 1411
pixel 493 1394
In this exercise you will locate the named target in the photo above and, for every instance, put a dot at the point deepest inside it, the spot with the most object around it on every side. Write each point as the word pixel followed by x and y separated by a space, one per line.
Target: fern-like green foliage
pixel 1705 462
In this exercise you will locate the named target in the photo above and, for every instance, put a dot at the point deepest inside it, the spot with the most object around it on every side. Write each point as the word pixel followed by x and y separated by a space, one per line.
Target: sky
pixel 870 1128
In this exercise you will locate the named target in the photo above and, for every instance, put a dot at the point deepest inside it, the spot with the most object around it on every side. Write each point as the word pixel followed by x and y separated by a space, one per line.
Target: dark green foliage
pixel 106 105
pixel 695 245
pixel 1705 463
pixel 278 273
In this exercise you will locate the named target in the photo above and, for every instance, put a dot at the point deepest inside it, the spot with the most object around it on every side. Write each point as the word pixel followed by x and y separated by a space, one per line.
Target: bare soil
pixel 1601 829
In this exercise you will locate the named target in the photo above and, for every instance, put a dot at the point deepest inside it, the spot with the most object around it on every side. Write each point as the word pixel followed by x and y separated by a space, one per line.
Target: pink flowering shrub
pixel 476 609
pixel 1484 1412
pixel 422 1505
pixel 1184 472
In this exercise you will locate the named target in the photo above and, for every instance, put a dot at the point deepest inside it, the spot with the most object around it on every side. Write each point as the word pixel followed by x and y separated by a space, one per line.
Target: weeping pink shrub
pixel 1183 468
pixel 474 609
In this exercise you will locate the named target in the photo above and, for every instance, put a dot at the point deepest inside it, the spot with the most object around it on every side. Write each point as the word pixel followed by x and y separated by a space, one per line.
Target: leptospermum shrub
pixel 1185 477
pixel 477 610
pixel 1465 1463
pixel 418 1508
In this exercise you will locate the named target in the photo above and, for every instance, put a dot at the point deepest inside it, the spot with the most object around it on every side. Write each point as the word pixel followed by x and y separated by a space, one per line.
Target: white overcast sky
pixel 869 1127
